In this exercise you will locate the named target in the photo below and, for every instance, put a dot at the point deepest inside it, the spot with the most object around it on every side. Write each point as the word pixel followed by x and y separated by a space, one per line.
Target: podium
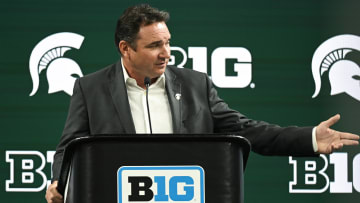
pixel 154 168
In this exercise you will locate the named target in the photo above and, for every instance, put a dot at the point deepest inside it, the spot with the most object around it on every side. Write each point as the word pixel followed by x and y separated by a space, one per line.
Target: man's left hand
pixel 329 140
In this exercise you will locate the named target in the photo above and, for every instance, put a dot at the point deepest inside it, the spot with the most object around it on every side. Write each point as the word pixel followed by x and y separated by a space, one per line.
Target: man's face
pixel 152 52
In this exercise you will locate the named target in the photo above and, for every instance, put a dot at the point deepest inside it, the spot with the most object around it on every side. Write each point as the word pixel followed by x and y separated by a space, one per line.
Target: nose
pixel 165 52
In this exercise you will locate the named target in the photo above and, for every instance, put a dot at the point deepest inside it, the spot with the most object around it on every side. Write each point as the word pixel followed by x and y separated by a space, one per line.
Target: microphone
pixel 147 83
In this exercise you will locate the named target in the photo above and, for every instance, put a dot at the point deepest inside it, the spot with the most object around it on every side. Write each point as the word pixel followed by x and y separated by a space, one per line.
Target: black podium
pixel 154 168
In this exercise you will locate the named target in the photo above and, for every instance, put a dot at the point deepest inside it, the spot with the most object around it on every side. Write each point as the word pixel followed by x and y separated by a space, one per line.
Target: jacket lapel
pixel 120 98
pixel 173 90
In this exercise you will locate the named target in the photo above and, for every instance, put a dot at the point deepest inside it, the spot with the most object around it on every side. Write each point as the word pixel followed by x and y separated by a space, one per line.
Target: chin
pixel 160 71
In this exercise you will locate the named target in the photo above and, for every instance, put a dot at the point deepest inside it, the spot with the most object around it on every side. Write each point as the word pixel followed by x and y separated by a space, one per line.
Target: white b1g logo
pixel 219 56
pixel 313 178
pixel 27 170
pixel 182 184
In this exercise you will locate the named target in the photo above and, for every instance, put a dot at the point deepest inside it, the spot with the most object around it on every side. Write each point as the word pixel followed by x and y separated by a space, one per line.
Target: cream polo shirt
pixel 160 112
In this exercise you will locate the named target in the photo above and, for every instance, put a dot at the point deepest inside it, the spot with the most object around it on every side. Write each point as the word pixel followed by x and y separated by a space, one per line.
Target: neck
pixel 139 78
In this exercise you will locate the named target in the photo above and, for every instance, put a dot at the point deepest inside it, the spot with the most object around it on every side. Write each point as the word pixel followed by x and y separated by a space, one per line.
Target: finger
pixel 349 136
pixel 52 195
pixel 56 194
pixel 58 199
pixel 54 199
pixel 337 146
pixel 53 187
pixel 349 142
pixel 331 121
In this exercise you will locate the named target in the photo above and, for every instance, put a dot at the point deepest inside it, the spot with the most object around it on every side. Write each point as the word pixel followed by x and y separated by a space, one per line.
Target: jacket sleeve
pixel 265 139
pixel 77 125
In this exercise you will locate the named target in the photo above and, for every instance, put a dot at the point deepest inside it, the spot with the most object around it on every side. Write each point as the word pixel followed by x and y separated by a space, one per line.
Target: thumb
pixel 331 121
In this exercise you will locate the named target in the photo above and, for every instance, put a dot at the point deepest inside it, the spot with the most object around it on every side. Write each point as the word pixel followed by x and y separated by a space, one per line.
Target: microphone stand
pixel 147 83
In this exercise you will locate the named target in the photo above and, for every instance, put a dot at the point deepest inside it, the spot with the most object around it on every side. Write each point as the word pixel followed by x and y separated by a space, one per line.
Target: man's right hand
pixel 52 195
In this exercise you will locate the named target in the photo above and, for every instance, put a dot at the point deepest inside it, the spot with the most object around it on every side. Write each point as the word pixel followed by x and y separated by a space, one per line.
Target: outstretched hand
pixel 329 140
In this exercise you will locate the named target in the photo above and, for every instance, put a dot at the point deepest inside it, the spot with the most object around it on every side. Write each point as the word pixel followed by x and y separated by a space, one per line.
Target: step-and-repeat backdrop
pixel 285 62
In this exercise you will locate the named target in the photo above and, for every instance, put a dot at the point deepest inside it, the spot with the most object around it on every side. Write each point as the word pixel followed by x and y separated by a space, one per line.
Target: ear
pixel 124 48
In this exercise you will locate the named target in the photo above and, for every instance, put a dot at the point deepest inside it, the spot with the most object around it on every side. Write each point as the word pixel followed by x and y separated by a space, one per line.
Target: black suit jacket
pixel 100 105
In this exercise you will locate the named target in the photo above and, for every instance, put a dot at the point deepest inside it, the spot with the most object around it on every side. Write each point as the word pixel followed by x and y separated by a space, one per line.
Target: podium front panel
pixel 95 165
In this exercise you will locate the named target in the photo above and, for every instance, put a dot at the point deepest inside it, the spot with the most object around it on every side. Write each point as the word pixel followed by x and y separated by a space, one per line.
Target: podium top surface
pixel 163 138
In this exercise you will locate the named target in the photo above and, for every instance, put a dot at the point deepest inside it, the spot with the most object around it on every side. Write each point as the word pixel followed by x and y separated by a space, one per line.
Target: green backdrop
pixel 281 36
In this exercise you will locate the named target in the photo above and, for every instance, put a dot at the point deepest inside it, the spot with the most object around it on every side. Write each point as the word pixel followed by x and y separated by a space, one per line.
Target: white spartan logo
pixel 344 75
pixel 48 53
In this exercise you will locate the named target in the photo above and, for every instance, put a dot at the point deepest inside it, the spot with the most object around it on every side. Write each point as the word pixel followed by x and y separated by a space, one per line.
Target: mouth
pixel 162 64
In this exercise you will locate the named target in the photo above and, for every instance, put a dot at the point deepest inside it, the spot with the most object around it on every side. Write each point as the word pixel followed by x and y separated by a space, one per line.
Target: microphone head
pixel 147 81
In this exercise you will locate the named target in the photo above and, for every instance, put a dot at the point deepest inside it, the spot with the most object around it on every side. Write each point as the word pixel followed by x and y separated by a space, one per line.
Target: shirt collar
pixel 160 82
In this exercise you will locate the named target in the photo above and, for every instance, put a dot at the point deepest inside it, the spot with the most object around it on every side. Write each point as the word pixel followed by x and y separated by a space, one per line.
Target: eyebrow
pixel 155 43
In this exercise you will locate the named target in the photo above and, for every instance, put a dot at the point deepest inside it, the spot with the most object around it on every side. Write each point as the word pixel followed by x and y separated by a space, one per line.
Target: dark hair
pixel 128 25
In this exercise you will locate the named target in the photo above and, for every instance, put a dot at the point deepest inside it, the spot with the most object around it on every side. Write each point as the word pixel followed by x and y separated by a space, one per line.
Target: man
pixel 111 101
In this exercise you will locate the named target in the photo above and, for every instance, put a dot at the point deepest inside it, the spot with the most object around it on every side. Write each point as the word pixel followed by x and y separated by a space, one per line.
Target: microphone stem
pixel 147 104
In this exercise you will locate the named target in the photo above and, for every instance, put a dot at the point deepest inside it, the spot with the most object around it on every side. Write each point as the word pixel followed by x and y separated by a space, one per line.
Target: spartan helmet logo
pixel 48 53
pixel 344 75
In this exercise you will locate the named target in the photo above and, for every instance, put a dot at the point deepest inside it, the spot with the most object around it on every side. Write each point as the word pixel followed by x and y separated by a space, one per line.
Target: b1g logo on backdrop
pixel 49 54
pixel 27 170
pixel 344 74
pixel 149 184
pixel 242 67
pixel 312 175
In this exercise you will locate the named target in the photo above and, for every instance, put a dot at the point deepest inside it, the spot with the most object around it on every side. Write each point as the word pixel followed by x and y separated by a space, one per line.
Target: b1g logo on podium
pixel 149 184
